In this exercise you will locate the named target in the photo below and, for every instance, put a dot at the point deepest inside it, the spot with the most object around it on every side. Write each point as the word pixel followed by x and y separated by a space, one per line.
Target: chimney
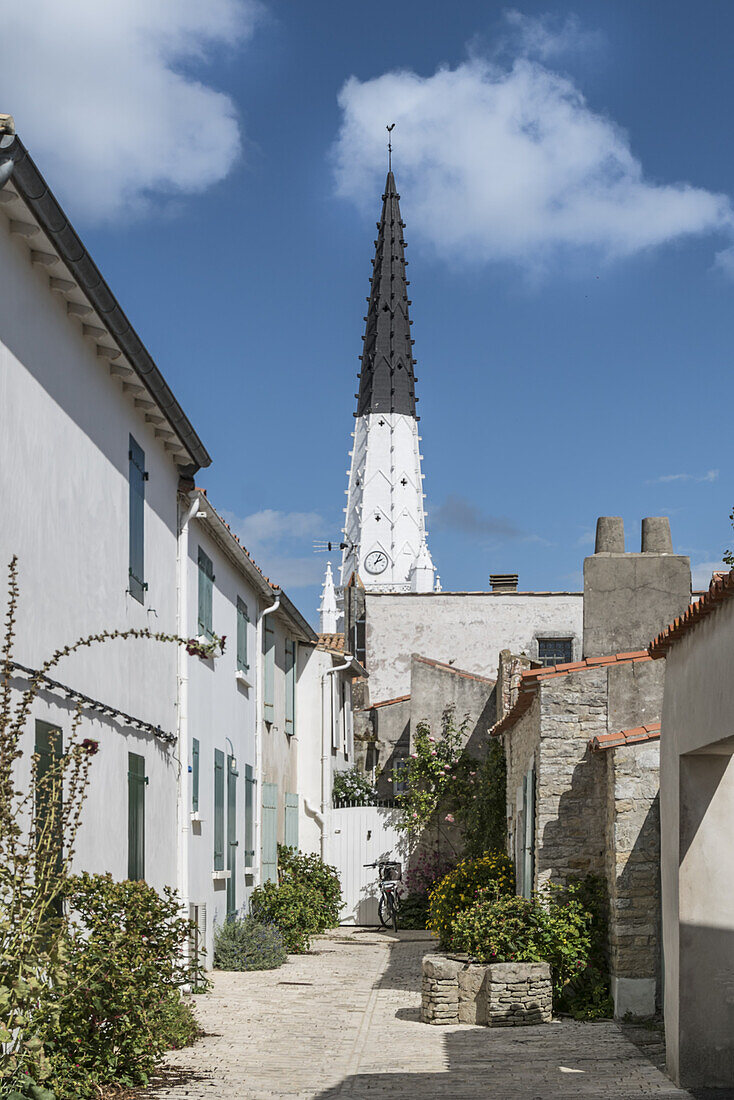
pixel 503 582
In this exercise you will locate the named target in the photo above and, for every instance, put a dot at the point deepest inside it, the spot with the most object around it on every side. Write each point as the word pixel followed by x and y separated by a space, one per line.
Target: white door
pixel 363 834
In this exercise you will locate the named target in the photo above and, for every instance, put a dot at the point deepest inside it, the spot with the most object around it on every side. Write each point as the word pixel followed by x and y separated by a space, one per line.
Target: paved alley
pixel 342 1021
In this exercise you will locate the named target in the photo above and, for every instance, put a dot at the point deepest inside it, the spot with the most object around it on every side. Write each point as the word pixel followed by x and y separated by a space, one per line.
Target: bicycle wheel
pixel 383 910
pixel 394 913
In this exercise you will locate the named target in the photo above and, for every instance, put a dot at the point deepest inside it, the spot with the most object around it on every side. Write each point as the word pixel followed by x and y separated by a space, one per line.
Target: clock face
pixel 376 561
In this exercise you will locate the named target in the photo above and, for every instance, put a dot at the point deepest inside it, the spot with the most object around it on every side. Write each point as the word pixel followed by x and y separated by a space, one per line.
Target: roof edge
pixel 720 589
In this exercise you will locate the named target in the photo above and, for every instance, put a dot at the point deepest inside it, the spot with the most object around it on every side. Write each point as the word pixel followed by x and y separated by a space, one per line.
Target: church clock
pixel 376 561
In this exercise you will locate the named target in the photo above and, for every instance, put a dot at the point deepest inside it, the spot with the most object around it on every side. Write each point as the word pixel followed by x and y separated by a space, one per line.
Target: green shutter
pixel 269 672
pixel 270 833
pixel 136 783
pixel 49 789
pixel 137 478
pixel 243 620
pixel 195 775
pixel 290 687
pixel 231 835
pixel 291 820
pixel 218 810
pixel 249 815
pixel 206 585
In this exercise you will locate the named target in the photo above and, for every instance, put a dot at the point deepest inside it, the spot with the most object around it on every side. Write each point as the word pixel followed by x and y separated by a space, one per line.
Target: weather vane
pixel 389 129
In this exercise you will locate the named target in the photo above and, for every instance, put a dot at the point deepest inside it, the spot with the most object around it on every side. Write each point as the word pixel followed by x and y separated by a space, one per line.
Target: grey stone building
pixel 582 772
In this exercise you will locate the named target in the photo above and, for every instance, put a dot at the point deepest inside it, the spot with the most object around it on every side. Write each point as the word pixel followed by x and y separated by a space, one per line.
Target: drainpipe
pixel 326 758
pixel 182 692
pixel 259 722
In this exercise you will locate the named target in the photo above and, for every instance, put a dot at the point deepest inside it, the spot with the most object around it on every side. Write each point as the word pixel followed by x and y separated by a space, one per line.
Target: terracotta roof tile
pixel 650 732
pixel 530 679
pixel 334 643
pixel 388 702
pixel 720 589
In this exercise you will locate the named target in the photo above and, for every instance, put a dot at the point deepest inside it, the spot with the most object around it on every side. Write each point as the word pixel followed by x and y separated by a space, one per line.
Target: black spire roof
pixel 387 382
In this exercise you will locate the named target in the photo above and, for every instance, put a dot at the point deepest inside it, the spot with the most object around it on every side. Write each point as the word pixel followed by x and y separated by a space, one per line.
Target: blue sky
pixel 566 174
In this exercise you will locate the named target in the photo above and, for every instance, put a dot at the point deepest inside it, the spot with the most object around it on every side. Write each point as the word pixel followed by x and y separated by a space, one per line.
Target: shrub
pixel 120 1008
pixel 425 870
pixel 554 927
pixel 247 944
pixel 413 911
pixel 459 889
pixel 293 907
pixel 310 870
pixel 354 786
pixel 177 1022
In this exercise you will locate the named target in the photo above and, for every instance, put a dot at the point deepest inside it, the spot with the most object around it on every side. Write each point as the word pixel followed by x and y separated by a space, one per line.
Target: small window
pixel 399 782
pixel 136 784
pixel 195 775
pixel 249 815
pixel 206 586
pixel 218 810
pixel 49 790
pixel 290 687
pixel 243 622
pixel 268 672
pixel 137 478
pixel 555 651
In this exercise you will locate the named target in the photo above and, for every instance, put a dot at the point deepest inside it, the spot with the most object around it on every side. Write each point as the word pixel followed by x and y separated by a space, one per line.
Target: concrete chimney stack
pixel 656 537
pixel 609 535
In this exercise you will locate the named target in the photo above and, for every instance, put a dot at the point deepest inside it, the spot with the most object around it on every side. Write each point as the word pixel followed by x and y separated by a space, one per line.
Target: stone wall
pixel 633 875
pixel 496 995
pixel 509 669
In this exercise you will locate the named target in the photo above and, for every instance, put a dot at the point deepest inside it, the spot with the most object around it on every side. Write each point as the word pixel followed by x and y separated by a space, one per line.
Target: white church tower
pixel 385 528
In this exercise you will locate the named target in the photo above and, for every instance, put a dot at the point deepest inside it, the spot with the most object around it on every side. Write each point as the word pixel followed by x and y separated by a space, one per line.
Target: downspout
pixel 326 758
pixel 182 693
pixel 259 722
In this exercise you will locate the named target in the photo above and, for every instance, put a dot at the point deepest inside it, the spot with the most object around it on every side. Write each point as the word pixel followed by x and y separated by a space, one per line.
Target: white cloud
pixel 549 36
pixel 109 99
pixel 510 163
pixel 701 573
pixel 710 475
pixel 276 540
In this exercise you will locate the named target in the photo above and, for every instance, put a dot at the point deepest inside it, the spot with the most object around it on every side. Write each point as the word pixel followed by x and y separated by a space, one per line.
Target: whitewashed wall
pixel 64 493
pixel 469 629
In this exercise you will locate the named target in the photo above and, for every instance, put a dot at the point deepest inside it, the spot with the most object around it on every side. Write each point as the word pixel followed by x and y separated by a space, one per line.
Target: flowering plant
pixel 460 889
pixel 434 775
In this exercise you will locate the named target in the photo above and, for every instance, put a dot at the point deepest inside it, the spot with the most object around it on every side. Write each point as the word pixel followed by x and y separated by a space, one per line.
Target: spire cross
pixel 389 129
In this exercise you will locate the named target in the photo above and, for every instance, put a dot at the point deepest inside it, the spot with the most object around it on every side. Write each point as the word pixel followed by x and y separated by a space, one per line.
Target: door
pixel 363 834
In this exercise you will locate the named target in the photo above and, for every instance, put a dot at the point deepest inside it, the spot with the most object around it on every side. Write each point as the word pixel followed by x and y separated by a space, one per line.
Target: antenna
pixel 389 129
pixel 321 546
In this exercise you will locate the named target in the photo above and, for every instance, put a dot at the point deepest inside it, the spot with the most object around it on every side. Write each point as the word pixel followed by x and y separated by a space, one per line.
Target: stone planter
pixel 456 991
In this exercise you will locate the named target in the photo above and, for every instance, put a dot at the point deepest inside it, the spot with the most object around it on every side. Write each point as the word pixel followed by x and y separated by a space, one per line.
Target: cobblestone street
pixel 343 1022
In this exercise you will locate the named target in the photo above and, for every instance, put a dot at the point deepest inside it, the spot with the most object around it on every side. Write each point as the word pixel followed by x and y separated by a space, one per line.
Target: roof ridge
pixel 450 668
pixel 649 732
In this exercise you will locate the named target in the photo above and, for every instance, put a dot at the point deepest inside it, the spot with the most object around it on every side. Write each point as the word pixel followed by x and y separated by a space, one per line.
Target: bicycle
pixel 391 887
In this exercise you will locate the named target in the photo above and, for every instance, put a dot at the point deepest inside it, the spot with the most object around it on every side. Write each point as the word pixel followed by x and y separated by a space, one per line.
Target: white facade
pixel 385 528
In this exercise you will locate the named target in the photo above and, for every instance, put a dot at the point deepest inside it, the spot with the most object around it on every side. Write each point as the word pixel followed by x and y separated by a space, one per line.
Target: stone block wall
pixel 633 875
pixel 495 995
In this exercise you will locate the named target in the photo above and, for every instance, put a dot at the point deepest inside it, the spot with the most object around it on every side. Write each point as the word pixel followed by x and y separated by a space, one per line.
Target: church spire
pixel 385 523
pixel 387 382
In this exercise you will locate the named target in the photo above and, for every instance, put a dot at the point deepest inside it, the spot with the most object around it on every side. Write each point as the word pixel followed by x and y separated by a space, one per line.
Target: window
pixel 291 820
pixel 206 585
pixel 218 810
pixel 290 687
pixel 137 478
pixel 136 784
pixel 358 639
pixel 243 621
pixel 399 783
pixel 194 775
pixel 232 775
pixel 49 790
pixel 249 815
pixel 268 672
pixel 555 651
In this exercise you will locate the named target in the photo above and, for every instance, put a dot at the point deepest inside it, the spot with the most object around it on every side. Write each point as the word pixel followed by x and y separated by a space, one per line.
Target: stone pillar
pixel 518 994
pixel 440 991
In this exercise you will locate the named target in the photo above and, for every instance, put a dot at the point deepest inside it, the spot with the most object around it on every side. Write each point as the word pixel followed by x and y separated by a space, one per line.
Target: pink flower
pixel 414 756
pixel 449 818
pixel 472 774
pixel 432 740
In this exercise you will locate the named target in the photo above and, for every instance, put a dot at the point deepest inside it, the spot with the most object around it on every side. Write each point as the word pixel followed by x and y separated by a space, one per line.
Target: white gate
pixel 363 834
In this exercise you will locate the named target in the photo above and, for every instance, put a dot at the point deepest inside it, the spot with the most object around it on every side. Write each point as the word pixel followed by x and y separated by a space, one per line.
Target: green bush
pixel 243 943
pixel 311 871
pixel 295 908
pixel 459 890
pixel 413 911
pixel 354 786
pixel 120 1008
pixel 554 927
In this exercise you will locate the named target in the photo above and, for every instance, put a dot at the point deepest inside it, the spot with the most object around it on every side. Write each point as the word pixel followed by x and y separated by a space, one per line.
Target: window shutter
pixel 243 620
pixel 290 687
pixel 136 784
pixel 195 775
pixel 270 833
pixel 137 478
pixel 269 672
pixel 291 820
pixel 218 810
pixel 249 816
pixel 49 789
pixel 206 585
pixel 231 836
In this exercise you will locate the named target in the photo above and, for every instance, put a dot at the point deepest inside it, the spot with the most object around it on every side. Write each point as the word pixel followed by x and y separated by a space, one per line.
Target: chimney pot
pixel 503 582
pixel 656 538
pixel 609 535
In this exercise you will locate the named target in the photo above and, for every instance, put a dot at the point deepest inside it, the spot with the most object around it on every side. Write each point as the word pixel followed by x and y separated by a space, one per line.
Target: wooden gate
pixel 363 834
